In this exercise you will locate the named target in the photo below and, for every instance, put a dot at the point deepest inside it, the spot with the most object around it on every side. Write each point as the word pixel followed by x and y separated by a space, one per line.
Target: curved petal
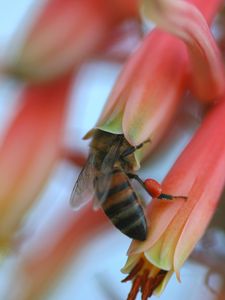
pixel 156 90
pixel 38 267
pixel 62 35
pixel 212 182
pixel 200 173
pixel 30 150
pixel 184 20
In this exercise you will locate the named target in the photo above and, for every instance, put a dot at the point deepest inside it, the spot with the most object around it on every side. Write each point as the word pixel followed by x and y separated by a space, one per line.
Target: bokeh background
pixel 94 272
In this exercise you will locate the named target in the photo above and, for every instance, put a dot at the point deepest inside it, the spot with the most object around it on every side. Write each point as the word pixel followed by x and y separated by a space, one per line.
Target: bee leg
pixel 132 149
pixel 170 197
pixel 153 188
pixel 136 177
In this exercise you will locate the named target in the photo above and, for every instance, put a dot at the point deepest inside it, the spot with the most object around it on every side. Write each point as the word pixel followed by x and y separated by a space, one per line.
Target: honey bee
pixel 106 179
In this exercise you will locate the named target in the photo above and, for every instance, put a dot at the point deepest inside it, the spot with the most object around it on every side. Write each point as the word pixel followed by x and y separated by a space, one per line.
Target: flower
pixel 184 19
pixel 176 226
pixel 38 266
pixel 62 35
pixel 30 150
pixel 142 104
pixel 149 89
pixel 147 93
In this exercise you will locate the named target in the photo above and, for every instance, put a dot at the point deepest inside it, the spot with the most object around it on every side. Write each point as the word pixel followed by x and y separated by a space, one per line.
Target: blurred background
pixel 92 270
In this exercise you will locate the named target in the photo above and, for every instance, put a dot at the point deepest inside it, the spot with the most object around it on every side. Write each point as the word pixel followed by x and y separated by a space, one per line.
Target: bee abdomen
pixel 113 190
pixel 128 216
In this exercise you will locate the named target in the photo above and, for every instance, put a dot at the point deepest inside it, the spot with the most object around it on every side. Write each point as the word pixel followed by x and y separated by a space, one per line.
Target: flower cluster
pixel 179 54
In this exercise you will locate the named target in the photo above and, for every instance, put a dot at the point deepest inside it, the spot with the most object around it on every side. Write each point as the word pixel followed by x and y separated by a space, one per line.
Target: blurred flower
pixel 221 33
pixel 48 259
pixel 183 19
pixel 176 226
pixel 122 41
pixel 30 150
pixel 63 34
pixel 142 105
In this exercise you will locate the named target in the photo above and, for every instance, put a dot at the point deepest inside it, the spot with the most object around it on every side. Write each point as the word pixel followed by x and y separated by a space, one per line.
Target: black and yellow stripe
pixel 122 206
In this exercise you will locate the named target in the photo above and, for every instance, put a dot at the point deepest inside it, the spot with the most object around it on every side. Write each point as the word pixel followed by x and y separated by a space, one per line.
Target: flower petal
pixel 184 20
pixel 156 88
pixel 37 268
pixel 212 182
pixel 63 34
pixel 30 150
pixel 158 291
pixel 201 177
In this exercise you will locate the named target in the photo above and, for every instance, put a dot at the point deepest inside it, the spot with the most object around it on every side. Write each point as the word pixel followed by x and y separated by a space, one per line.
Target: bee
pixel 106 178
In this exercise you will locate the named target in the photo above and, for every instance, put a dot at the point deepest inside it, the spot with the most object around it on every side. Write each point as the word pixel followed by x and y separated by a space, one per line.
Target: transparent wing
pixel 112 156
pixel 103 181
pixel 83 190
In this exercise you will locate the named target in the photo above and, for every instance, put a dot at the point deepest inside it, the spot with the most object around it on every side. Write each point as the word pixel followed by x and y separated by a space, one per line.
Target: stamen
pixel 135 288
pixel 144 279
pixel 151 284
pixel 147 289
pixel 142 282
pixel 134 271
pixel 159 278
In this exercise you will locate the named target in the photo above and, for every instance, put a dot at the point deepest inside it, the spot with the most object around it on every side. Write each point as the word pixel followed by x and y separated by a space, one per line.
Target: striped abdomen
pixel 123 207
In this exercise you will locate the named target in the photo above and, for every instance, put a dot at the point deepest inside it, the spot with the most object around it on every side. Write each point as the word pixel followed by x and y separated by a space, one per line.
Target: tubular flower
pixel 148 91
pixel 184 20
pixel 176 226
pixel 63 34
pixel 29 151
pixel 47 263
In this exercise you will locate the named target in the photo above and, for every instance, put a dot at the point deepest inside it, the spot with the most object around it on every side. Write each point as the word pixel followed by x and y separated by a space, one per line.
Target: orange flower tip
pixel 143 281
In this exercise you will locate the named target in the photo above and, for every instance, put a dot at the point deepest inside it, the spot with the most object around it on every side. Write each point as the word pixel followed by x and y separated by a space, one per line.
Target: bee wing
pixel 83 190
pixel 112 156
pixel 102 183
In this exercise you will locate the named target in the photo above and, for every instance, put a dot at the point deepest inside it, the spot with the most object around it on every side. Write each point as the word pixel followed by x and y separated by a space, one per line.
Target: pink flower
pixel 38 266
pixel 30 150
pixel 63 34
pixel 184 19
pixel 176 226
pixel 147 93
pixel 142 104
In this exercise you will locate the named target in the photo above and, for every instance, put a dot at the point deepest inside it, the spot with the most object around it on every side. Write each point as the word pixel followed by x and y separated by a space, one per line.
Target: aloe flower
pixel 29 151
pixel 147 93
pixel 183 19
pixel 142 104
pixel 62 35
pixel 36 268
pixel 176 226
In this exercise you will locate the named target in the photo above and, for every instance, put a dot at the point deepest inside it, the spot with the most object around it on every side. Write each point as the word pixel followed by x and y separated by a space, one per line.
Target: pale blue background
pixel 95 273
